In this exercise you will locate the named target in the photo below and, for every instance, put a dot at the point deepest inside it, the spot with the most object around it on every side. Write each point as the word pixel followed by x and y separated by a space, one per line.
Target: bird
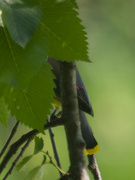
pixel 84 106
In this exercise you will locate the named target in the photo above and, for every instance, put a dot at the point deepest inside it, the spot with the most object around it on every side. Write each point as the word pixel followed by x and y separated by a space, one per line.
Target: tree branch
pixel 9 139
pixel 18 157
pixel 70 115
pixel 93 167
pixel 14 147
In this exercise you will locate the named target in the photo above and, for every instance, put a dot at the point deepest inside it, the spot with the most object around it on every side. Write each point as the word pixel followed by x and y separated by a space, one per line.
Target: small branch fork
pixel 28 137
pixel 25 138
pixel 18 157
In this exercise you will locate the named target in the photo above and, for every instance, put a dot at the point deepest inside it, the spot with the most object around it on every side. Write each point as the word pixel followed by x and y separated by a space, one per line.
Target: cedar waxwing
pixel 84 106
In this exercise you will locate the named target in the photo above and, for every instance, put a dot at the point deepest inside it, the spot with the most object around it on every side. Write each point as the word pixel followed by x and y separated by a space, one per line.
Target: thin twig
pixel 93 167
pixel 18 157
pixel 55 149
pixel 14 147
pixel 51 162
pixel 9 139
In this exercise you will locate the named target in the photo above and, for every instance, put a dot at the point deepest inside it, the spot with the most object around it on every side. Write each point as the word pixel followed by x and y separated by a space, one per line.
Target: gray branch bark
pixel 93 167
pixel 70 115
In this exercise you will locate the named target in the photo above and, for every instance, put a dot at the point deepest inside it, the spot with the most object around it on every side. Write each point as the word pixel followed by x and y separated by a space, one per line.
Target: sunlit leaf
pixel 23 162
pixel 63 31
pixel 21 20
pixel 36 173
pixel 39 144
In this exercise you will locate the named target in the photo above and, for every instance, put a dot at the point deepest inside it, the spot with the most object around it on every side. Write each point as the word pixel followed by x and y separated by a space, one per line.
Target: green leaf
pixel 17 65
pixel 21 20
pixel 23 162
pixel 31 106
pixel 73 2
pixel 63 31
pixel 39 144
pixel 60 35
pixel 36 173
pixel 4 113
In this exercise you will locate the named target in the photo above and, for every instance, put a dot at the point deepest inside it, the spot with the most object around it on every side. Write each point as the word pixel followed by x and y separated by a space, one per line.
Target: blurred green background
pixel 110 83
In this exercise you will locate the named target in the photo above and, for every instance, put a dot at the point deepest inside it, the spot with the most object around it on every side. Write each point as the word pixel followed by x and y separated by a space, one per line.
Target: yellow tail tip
pixel 91 151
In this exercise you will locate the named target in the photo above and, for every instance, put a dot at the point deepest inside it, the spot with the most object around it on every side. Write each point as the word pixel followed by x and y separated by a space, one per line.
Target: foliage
pixel 4 113
pixel 29 32
pixel 38 171
pixel 13 16
pixel 38 147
